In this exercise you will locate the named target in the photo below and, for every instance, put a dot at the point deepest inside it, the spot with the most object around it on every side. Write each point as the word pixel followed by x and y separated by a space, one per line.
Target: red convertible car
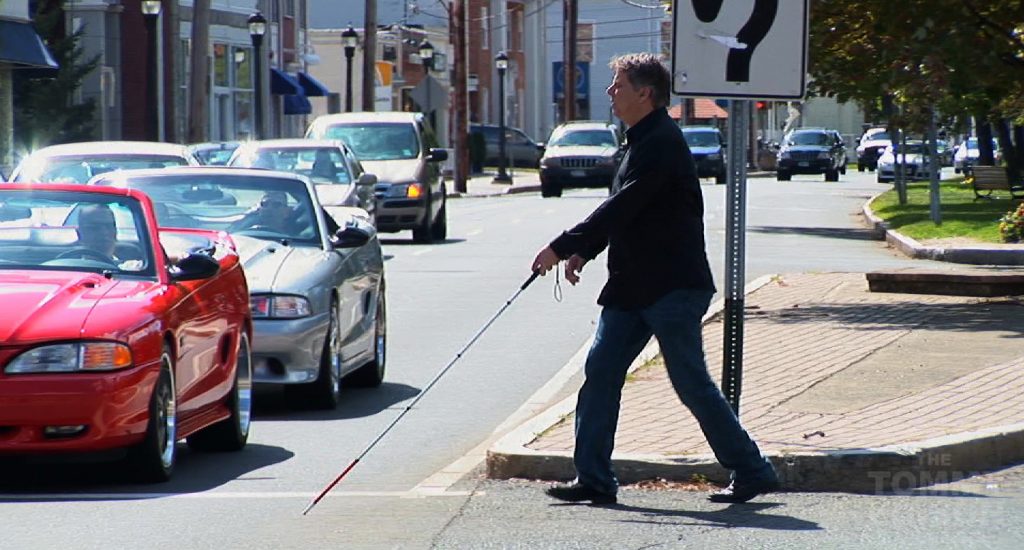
pixel 116 335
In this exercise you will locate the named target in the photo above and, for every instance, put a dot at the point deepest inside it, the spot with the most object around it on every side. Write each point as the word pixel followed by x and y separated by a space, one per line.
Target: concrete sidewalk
pixel 844 389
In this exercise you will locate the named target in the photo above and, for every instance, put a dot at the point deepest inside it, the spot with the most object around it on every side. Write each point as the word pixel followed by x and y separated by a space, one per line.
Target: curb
pixel 914 249
pixel 509 457
pixel 892 468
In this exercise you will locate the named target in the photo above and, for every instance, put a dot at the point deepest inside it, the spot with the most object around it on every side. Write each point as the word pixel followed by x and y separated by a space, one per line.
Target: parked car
pixel 332 166
pixel 316 279
pixel 579 153
pixel 812 151
pixel 871 145
pixel 967 153
pixel 401 149
pixel 520 150
pixel 708 150
pixel 914 158
pixel 108 343
pixel 214 153
pixel 80 162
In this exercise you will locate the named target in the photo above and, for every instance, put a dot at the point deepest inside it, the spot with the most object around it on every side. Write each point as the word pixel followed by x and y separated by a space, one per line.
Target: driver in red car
pixel 97 233
pixel 97 230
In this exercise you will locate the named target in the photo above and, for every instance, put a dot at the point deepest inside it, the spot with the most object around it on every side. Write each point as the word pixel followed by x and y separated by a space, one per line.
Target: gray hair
pixel 645 70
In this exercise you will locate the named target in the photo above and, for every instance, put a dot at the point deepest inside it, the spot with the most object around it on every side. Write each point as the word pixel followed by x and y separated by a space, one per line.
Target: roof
pixel 707 108
pixel 374 116
pixel 584 125
pixel 703 108
pixel 205 170
pixel 114 148
pixel 288 143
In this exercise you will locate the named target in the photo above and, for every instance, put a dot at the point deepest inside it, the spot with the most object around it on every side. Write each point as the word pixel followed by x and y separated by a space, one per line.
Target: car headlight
pixel 72 357
pixel 405 190
pixel 549 162
pixel 784 155
pixel 273 306
pixel 823 156
pixel 606 161
pixel 714 156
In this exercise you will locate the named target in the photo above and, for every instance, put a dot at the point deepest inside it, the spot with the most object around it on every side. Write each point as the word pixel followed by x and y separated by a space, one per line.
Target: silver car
pixel 316 280
pixel 80 162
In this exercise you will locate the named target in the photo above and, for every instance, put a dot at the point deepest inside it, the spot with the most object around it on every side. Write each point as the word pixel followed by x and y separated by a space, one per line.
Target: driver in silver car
pixel 271 213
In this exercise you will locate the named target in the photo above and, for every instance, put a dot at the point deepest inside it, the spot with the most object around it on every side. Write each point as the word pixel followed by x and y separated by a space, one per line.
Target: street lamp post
pixel 427 57
pixel 501 63
pixel 257 28
pixel 349 39
pixel 151 12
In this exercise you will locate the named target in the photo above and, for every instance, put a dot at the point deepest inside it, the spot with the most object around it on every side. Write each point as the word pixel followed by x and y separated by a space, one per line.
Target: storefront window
pixel 221 73
pixel 243 68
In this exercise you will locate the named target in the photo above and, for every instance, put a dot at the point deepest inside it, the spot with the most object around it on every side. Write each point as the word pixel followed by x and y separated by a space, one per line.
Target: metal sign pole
pixel 735 238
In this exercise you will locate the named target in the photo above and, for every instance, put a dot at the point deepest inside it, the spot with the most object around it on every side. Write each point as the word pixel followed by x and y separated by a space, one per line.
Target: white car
pixel 871 145
pixel 80 162
pixel 915 160
pixel 967 152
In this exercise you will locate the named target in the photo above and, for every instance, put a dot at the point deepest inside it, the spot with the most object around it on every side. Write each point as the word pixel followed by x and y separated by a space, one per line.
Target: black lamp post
pixel 151 12
pixel 427 57
pixel 257 28
pixel 349 39
pixel 501 63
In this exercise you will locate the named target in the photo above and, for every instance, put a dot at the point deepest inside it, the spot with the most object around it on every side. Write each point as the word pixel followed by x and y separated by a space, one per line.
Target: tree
pixel 962 58
pixel 45 111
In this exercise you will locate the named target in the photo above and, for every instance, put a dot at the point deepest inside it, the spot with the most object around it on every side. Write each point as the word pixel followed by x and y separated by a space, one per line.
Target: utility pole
pixel 570 15
pixel 460 95
pixel 370 56
pixel 199 98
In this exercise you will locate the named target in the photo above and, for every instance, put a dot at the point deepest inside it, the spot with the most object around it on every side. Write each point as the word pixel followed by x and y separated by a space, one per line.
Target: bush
pixel 1011 226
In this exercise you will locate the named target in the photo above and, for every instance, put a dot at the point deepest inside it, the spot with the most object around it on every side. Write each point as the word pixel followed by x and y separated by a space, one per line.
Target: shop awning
pixel 297 104
pixel 312 86
pixel 21 46
pixel 283 83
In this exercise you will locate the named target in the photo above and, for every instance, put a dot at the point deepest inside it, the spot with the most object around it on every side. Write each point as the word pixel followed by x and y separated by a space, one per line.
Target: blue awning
pixel 312 86
pixel 283 83
pixel 21 46
pixel 297 104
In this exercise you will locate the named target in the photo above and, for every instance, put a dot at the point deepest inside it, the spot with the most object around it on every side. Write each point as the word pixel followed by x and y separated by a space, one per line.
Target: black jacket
pixel 653 222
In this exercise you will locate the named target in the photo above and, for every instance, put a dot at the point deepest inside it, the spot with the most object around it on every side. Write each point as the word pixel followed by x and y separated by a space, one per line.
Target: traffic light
pixel 761 105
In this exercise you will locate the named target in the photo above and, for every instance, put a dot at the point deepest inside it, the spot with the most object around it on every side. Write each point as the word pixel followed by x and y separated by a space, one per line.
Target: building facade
pixel 115 30
pixel 20 49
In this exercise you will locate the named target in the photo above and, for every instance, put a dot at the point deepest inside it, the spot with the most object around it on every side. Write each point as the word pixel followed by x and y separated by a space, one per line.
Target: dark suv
pixel 708 150
pixel 520 150
pixel 579 153
pixel 812 151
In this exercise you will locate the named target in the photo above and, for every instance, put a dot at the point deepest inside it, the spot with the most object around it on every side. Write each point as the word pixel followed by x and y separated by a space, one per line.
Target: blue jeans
pixel 675 320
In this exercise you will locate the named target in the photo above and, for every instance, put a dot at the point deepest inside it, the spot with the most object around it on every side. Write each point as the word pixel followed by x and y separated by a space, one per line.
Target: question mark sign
pixel 737 65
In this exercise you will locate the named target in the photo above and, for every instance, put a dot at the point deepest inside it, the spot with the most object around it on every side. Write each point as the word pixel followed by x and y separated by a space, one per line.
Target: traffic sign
pixel 582 79
pixel 742 49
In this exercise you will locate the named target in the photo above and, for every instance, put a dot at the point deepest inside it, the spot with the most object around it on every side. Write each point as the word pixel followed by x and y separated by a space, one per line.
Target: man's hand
pixel 573 267
pixel 545 260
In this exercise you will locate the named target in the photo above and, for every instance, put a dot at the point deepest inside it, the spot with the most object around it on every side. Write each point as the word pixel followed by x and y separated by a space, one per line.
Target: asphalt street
pixel 422 487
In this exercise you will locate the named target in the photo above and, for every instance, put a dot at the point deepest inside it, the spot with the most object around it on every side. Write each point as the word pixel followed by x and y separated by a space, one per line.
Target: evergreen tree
pixel 45 112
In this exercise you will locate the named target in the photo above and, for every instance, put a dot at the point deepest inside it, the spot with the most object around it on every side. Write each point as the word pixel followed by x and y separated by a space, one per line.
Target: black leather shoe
pixel 742 492
pixel 577 492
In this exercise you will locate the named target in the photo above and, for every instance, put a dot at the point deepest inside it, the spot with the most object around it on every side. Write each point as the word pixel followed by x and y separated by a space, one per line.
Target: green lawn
pixel 962 215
